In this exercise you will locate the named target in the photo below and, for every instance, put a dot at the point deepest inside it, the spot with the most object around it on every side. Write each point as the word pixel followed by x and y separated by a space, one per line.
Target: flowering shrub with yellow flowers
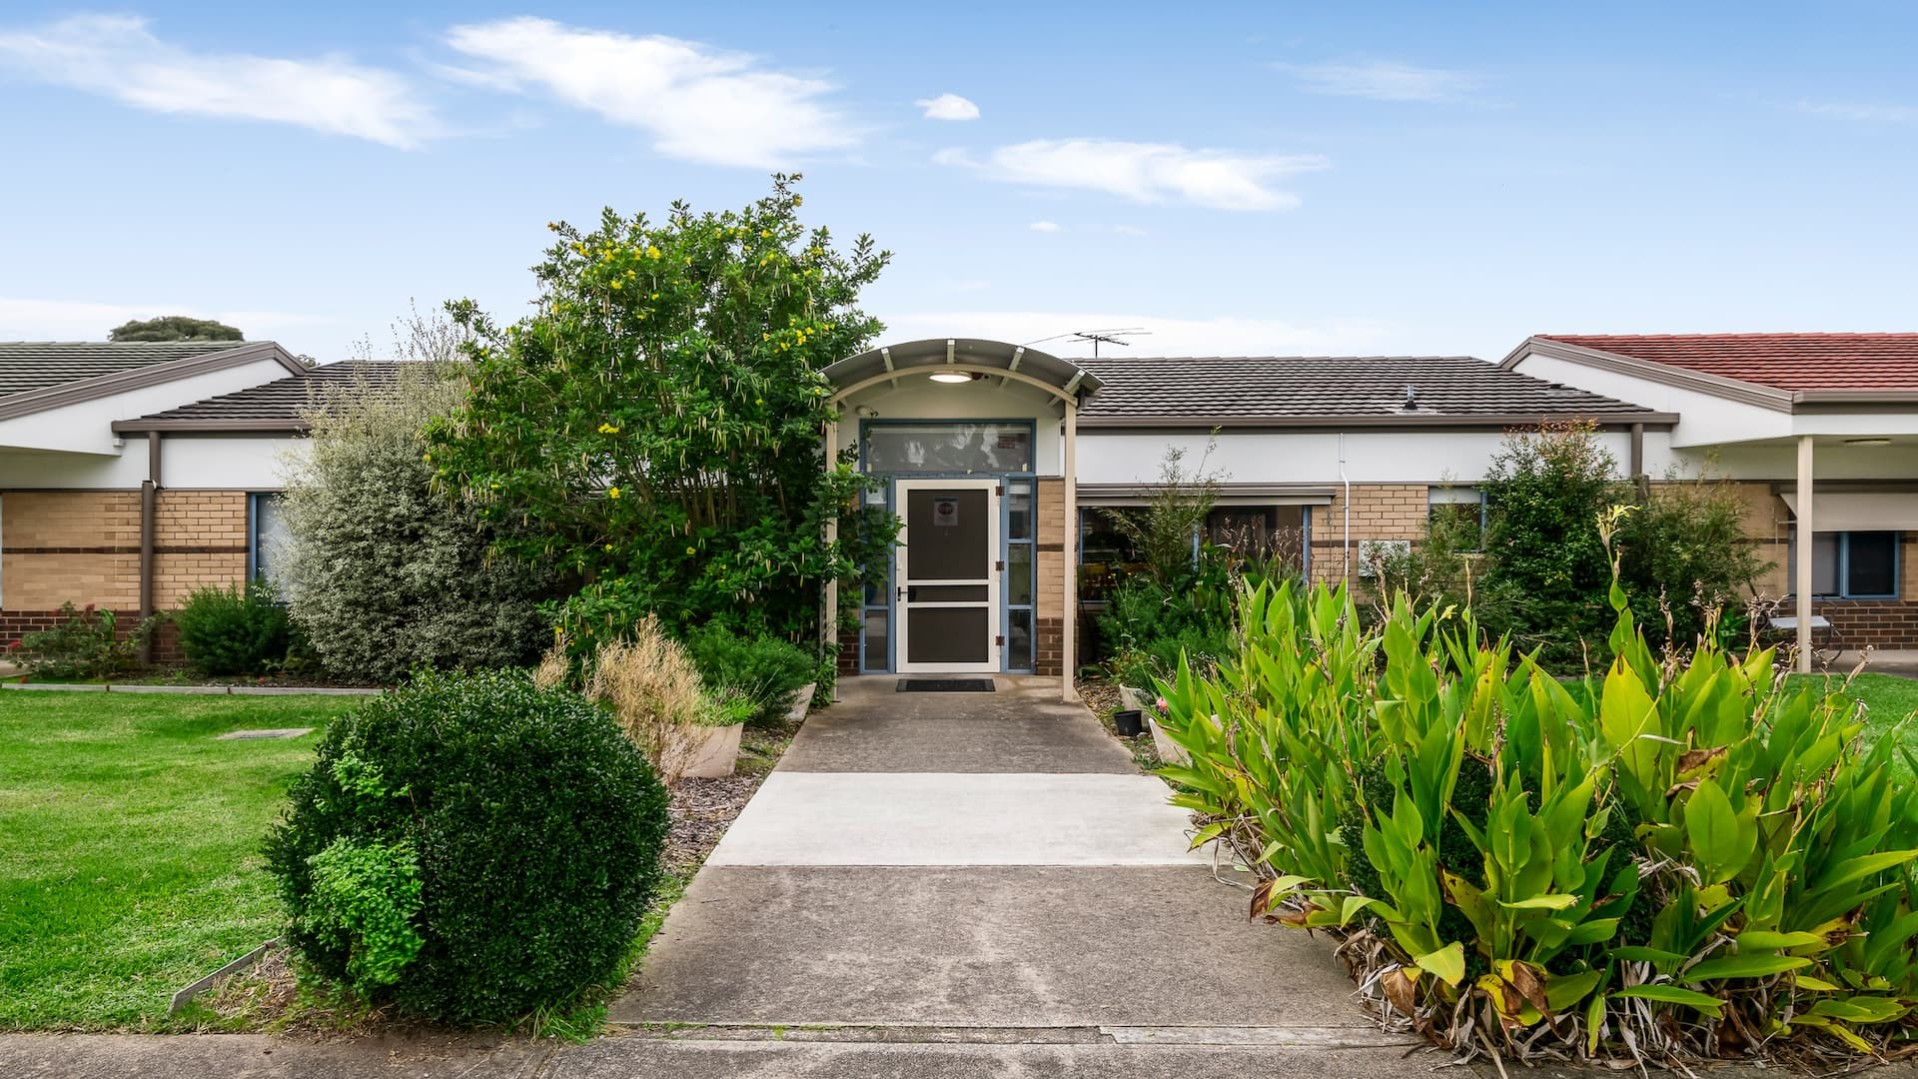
pixel 653 429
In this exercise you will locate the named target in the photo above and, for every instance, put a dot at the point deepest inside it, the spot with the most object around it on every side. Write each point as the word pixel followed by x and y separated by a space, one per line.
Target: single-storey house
pixel 133 473
pixel 130 474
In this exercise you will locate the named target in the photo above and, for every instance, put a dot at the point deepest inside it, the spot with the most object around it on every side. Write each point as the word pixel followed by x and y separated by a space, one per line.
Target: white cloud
pixel 698 103
pixel 1383 80
pixel 1044 226
pixel 117 56
pixel 23 319
pixel 1226 336
pixel 948 107
pixel 1872 114
pixel 1146 171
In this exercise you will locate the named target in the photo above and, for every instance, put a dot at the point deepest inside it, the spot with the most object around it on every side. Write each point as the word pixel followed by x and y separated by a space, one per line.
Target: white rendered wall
pixel 22 470
pixel 920 398
pixel 87 427
pixel 211 462
pixel 1429 456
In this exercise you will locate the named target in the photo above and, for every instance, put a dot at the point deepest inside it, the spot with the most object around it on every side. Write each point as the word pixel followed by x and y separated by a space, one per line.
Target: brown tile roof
pixel 1785 361
pixel 277 405
pixel 1456 389
pixel 26 366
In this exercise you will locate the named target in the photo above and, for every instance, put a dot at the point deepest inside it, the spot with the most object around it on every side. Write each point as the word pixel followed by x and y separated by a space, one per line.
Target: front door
pixel 947 576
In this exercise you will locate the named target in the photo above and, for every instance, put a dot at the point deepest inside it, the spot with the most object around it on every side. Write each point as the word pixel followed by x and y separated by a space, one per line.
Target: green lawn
pixel 129 846
pixel 1887 699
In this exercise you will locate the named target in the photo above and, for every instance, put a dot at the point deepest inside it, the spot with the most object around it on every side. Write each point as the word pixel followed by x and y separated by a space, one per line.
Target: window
pixel 1852 565
pixel 1020 564
pixel 948 447
pixel 266 546
pixel 1460 512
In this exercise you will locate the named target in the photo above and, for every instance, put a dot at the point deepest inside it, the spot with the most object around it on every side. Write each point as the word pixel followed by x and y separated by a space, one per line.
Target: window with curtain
pixel 1851 565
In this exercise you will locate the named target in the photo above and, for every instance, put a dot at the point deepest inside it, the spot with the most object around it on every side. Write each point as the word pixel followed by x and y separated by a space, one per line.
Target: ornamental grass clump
pixel 1674 861
pixel 471 848
pixel 648 683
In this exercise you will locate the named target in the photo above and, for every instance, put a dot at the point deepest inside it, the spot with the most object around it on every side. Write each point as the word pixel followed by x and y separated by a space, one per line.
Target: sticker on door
pixel 945 513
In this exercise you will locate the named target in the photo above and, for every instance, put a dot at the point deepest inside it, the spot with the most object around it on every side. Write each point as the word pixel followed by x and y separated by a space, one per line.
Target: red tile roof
pixel 1785 361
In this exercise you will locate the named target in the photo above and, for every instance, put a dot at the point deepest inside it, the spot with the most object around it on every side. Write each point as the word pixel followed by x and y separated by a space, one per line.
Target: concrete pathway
pixel 990 870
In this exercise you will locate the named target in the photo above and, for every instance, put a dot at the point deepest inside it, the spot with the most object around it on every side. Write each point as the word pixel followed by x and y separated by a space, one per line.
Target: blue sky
pixel 1261 178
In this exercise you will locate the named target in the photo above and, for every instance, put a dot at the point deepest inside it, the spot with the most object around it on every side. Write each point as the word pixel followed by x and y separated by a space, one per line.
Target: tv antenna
pixel 1098 337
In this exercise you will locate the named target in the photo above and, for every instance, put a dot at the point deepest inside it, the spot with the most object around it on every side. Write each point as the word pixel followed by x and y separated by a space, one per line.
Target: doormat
pixel 945 685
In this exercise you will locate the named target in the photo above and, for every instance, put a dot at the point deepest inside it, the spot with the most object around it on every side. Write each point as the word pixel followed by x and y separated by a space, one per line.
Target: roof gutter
pixel 1500 421
pixel 226 426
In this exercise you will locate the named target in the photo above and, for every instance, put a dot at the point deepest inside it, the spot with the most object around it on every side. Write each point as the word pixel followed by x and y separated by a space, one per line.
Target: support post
pixel 829 607
pixel 149 510
pixel 1068 647
pixel 1802 555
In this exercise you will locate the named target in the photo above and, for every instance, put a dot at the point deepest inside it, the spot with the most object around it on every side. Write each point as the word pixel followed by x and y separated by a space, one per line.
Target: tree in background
pixel 655 428
pixel 174 328
pixel 1545 574
pixel 383 575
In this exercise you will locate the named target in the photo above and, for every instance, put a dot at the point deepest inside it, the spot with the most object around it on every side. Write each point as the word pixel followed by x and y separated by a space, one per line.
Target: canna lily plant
pixel 1675 860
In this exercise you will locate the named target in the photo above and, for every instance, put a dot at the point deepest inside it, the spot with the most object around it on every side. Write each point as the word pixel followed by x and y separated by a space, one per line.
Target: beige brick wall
pixel 201 540
pixel 1380 511
pixel 1049 602
pixel 83 547
pixel 69 546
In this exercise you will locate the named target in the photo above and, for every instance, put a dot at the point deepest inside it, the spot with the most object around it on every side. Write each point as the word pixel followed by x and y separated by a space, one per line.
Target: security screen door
pixel 947 576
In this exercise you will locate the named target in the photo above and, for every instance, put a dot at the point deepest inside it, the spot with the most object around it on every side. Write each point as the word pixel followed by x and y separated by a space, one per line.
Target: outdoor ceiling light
pixel 952 377
pixel 1868 442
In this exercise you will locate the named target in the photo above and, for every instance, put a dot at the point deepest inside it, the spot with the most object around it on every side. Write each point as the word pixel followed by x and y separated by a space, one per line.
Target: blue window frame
pixel 878 613
pixel 1853 565
pixel 265 536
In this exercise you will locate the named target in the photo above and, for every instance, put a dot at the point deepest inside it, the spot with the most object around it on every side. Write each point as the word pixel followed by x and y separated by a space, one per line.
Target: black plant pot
pixel 1131 723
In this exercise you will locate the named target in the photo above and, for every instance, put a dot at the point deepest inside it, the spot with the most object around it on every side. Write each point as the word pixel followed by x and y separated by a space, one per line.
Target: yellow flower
pixel 798 201
pixel 655 295
pixel 609 546
pixel 765 233
pixel 428 457
pixel 608 429
pixel 689 550
pixel 612 492
pixel 617 283
pixel 653 252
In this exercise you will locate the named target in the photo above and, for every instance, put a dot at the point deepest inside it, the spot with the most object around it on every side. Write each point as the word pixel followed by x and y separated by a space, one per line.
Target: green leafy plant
pixel 233 629
pixel 85 644
pixel 1673 860
pixel 513 830
pixel 383 575
pixel 654 428
pixel 364 900
pixel 766 672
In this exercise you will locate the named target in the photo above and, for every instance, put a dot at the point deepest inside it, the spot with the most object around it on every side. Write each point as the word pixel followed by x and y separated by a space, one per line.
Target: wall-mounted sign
pixel 945 513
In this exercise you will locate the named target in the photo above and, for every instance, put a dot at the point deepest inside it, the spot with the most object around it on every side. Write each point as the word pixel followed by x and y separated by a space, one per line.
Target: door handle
pixel 902 593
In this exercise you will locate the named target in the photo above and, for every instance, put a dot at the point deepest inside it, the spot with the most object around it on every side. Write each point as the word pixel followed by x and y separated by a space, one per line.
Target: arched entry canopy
pixel 968 355
pixel 959 594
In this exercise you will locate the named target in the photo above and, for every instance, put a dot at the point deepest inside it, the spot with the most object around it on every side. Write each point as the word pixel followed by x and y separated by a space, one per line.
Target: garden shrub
pixel 649 684
pixel 653 427
pixel 85 644
pixel 383 574
pixel 1672 860
pixel 233 629
pixel 471 848
pixel 767 671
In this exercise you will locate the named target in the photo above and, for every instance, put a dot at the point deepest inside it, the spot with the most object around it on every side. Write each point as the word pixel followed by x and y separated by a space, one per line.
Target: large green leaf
pixel 1447 964
pixel 1712 831
pixel 1744 966
pixel 1672 994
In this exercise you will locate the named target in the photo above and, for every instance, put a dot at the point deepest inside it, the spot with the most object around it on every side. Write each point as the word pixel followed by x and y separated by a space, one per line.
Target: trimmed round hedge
pixel 471 847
